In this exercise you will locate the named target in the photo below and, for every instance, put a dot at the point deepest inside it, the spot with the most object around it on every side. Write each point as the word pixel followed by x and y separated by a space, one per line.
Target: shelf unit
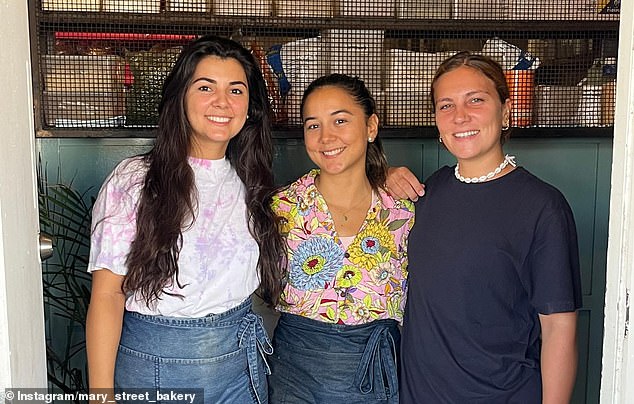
pixel 573 46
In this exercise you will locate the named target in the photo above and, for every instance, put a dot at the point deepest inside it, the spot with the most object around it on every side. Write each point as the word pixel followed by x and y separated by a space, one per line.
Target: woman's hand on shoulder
pixel 402 184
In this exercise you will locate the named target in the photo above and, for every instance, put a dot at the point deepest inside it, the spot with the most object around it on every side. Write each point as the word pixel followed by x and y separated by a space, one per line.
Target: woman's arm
pixel 103 327
pixel 559 356
pixel 403 184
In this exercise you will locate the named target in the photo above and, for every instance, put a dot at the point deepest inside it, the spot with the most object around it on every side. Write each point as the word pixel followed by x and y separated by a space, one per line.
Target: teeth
pixel 333 152
pixel 219 119
pixel 466 134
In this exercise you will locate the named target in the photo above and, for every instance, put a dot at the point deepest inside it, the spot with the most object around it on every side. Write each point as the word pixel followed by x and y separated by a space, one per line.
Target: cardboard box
pixel 192 6
pixel 424 9
pixel 304 8
pixel 480 10
pixel 131 6
pixel 357 53
pixel 408 107
pixel 84 109
pixel 557 105
pixel 408 69
pixel 101 74
pixel 560 10
pixel 71 5
pixel 590 106
pixel 367 8
pixel 257 8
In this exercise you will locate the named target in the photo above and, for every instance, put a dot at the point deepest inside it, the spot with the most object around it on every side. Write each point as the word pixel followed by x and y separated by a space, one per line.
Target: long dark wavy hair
pixel 168 202
pixel 375 161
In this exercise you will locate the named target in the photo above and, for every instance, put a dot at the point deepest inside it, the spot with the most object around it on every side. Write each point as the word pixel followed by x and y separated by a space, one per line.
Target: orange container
pixel 608 102
pixel 521 85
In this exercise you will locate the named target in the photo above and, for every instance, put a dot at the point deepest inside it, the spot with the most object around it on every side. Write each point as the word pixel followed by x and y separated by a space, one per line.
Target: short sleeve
pixel 114 218
pixel 554 261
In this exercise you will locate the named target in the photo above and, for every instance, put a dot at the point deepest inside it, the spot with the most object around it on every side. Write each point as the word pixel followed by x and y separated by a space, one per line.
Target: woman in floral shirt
pixel 337 339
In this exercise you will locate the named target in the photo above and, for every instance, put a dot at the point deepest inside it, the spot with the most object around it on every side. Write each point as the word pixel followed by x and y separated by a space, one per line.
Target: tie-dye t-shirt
pixel 217 263
pixel 333 282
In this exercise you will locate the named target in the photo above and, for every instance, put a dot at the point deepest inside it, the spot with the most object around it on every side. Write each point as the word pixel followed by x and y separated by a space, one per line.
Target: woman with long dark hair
pixel 337 339
pixel 184 234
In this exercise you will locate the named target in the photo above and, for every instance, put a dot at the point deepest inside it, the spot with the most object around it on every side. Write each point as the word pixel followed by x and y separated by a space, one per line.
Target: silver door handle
pixel 46 246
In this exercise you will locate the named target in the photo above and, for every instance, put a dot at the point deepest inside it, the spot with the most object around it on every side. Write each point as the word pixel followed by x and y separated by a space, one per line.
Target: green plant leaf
pixel 65 214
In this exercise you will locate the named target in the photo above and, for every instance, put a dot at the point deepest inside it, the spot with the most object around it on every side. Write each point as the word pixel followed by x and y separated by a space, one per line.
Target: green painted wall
pixel 579 167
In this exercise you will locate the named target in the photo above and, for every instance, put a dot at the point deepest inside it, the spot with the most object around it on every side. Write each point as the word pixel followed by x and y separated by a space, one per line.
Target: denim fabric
pixel 320 363
pixel 224 354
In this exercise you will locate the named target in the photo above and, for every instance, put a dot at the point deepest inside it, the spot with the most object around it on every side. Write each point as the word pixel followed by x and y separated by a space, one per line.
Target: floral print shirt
pixel 330 283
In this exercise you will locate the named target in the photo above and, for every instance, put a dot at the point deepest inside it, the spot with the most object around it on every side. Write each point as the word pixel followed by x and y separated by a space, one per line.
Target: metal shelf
pixel 418 132
pixel 598 38
pixel 178 21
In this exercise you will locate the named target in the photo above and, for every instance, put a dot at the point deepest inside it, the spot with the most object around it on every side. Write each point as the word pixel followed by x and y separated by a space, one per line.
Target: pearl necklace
pixel 507 160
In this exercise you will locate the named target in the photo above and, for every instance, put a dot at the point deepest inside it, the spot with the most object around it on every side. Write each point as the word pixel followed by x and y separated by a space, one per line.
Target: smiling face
pixel 469 117
pixel 216 105
pixel 336 131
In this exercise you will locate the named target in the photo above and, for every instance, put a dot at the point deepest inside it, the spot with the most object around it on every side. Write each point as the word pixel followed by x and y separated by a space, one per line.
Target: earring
pixel 248 117
pixel 439 139
pixel 370 139
pixel 505 126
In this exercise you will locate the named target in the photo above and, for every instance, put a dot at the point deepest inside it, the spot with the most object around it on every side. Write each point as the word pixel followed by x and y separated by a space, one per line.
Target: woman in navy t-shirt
pixel 494 280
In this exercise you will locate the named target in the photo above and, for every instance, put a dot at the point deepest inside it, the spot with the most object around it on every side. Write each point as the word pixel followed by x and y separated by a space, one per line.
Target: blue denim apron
pixel 315 362
pixel 220 354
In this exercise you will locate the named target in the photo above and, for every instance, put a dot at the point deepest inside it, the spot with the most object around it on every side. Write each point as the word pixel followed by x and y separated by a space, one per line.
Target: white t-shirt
pixel 218 259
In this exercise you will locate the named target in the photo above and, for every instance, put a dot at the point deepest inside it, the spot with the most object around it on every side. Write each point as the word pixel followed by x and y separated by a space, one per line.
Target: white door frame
pixel 618 347
pixel 22 346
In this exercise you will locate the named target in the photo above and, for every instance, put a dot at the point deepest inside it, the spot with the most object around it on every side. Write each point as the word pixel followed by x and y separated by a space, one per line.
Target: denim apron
pixel 222 355
pixel 316 362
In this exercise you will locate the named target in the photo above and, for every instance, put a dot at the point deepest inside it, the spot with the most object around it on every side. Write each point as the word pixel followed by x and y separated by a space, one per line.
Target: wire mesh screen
pixel 102 62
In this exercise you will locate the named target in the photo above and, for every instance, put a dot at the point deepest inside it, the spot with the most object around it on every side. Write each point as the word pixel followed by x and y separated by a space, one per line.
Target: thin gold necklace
pixel 345 213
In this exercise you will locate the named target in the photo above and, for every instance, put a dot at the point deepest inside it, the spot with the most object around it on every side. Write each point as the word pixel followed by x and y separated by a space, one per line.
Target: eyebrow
pixel 478 91
pixel 339 111
pixel 233 83
pixel 468 94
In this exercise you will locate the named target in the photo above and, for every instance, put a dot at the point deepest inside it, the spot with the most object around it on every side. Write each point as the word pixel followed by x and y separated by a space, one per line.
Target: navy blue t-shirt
pixel 484 260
